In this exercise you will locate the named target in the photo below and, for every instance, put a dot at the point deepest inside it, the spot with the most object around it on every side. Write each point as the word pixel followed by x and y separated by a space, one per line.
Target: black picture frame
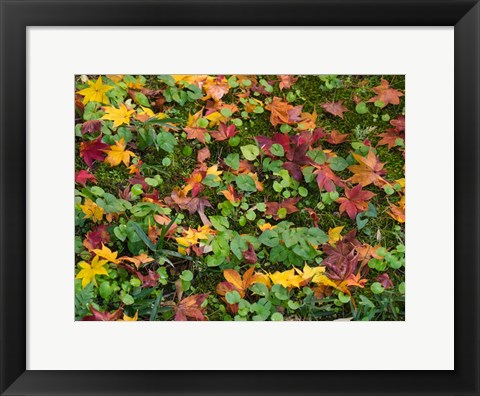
pixel 17 15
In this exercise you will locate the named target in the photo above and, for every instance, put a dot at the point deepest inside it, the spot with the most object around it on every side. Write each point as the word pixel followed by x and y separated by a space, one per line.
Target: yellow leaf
pixel 215 118
pixel 309 272
pixel 118 116
pixel 127 318
pixel 88 271
pixel 106 253
pixel 334 234
pixel 95 92
pixel 92 210
pixel 286 278
pixel 266 226
pixel 213 170
pixel 117 154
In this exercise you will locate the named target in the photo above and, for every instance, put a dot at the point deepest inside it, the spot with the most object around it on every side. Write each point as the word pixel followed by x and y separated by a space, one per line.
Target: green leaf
pixel 187 275
pixel 343 298
pixel 127 299
pixel 277 317
pixel 146 240
pixel 282 213
pixel 277 149
pixel 269 238
pixel 166 141
pixel 233 297
pixel 338 163
pixel 105 290
pixel 302 191
pixel 401 288
pixel 317 156
pixel 142 99
pixel 220 223
pixel 361 108
pixel 226 112
pixel 261 207
pixel 250 215
pixel 233 161
pixel 250 151
pixel 377 288
pixel 153 313
pixel 245 183
pixel 211 181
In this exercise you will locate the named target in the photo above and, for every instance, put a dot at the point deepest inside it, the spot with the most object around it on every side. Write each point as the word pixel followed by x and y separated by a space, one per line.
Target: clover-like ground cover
pixel 239 197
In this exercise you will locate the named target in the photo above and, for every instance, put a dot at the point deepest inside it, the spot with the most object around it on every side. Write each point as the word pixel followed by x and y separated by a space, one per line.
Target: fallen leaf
pixel 190 308
pixel 385 94
pixel 117 154
pixel 119 116
pixel 355 201
pixel 370 170
pixel 335 108
pixel 286 81
pixel 93 150
pixel 89 271
pixel 82 176
pixel 96 92
pixel 92 210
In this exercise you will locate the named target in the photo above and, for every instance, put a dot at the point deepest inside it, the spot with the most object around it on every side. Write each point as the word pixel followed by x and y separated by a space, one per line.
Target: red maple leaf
pixel 342 259
pixel 385 280
pixel 91 126
pixel 95 238
pixel 203 154
pixel 355 201
pixel 336 137
pixel 81 177
pixel 93 150
pixel 385 94
pixel 288 204
pixel 249 254
pixel 326 178
pixel 224 132
pixel 286 81
pixel 335 108
pixel 196 133
pixel 103 316
pixel 190 308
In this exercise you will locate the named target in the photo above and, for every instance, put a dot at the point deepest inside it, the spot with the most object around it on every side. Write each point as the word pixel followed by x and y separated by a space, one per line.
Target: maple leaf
pixel 198 205
pixel 385 94
pixel 194 182
pixel 213 170
pixel 137 261
pixel 139 179
pixel 96 92
pixel 398 123
pixel 107 254
pixel 190 308
pixel 117 154
pixel 342 259
pixel 287 279
pixel 81 177
pixel 234 281
pixel 103 316
pixel 127 318
pixel 397 212
pixel 216 88
pixel 335 108
pixel 203 154
pixel 355 280
pixel 326 178
pixel 390 137
pixel 288 204
pixel 196 133
pixel 309 273
pixel 192 237
pixel 164 221
pixel 224 132
pixel 385 280
pixel 355 201
pixel 249 254
pixel 93 150
pixel 307 121
pixel 91 126
pixel 334 234
pixel 149 280
pixel 336 137
pixel 370 170
pixel 231 194
pixel 286 81
pixel 89 271
pixel 95 238
pixel 366 252
pixel 92 210
pixel 119 116
pixel 279 112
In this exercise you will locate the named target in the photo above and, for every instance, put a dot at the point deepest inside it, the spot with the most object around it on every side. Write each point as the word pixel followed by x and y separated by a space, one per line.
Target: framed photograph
pixel 232 178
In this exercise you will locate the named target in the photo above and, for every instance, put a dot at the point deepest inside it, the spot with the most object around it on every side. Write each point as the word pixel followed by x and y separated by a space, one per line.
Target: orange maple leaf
pixel 385 94
pixel 370 170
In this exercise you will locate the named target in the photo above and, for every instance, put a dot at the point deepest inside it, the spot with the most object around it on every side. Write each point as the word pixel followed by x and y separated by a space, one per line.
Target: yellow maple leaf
pixel 286 278
pixel 213 170
pixel 266 226
pixel 88 271
pixel 334 234
pixel 192 237
pixel 215 118
pixel 127 318
pixel 106 253
pixel 119 116
pixel 117 154
pixel 309 272
pixel 92 210
pixel 96 92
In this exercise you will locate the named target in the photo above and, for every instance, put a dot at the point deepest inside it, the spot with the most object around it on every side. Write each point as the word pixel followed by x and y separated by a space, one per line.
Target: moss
pixel 111 179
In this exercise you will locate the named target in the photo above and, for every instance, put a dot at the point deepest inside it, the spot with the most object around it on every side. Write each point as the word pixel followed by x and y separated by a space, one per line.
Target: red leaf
pixel 91 151
pixel 342 259
pixel 103 316
pixel 286 81
pixel 336 137
pixel 139 179
pixel 386 94
pixel 288 204
pixel 95 238
pixel 249 254
pixel 355 201
pixel 190 308
pixel 335 108
pixel 224 132
pixel 385 280
pixel 81 177
pixel 91 126
pixel 196 133
pixel 326 178
pixel 149 280
pixel 203 154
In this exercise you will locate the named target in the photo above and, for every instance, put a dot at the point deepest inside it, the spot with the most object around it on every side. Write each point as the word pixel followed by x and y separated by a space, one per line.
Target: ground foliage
pixel 236 197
